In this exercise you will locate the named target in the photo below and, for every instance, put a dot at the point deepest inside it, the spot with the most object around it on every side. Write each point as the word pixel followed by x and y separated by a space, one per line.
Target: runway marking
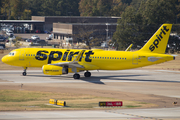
pixel 134 115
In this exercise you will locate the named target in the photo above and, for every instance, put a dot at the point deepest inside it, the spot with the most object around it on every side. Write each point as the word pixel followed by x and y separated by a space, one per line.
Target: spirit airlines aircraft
pixel 64 61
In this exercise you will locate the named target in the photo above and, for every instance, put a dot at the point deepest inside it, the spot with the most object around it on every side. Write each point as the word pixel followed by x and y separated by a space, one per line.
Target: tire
pixel 24 73
pixel 76 76
pixel 87 74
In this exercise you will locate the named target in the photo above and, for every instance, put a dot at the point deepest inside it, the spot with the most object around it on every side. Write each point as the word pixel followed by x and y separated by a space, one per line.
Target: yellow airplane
pixel 64 61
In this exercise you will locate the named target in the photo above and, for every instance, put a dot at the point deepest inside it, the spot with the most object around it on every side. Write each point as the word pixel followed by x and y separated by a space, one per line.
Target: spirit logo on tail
pixel 159 37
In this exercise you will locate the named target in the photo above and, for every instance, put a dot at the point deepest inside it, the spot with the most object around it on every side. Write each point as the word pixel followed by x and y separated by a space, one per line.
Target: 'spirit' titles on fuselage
pixel 68 55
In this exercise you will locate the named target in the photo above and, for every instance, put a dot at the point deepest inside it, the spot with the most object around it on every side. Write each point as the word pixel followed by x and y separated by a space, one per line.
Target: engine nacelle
pixel 54 70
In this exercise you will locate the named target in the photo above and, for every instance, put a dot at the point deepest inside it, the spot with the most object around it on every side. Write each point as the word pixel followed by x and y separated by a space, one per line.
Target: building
pixel 67 27
pixel 70 27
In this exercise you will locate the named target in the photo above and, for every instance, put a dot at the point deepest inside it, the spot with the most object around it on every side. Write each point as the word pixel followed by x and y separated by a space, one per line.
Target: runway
pixel 156 86
pixel 142 77
pixel 97 76
pixel 139 114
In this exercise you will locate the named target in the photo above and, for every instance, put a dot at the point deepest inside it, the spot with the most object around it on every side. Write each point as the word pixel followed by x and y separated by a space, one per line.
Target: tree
pixel 17 8
pixel 158 12
pixel 60 8
pixel 6 9
pixel 177 11
pixel 117 8
pixel 35 6
pixel 128 30
pixel 85 33
pixel 70 8
pixel 137 25
pixel 94 7
pixel 136 3
pixel 51 7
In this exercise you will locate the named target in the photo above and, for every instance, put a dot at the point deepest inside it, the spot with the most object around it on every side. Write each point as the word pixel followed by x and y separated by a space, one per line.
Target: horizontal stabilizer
pixel 153 59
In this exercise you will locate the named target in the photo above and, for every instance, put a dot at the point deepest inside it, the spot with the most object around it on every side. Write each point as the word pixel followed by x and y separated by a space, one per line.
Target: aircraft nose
pixel 4 59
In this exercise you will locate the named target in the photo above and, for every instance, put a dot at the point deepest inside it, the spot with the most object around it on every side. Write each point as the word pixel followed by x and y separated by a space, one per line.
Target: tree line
pixel 139 18
pixel 24 9
pixel 138 24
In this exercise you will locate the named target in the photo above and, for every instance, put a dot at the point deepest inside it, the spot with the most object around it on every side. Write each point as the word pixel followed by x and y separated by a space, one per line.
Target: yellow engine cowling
pixel 53 70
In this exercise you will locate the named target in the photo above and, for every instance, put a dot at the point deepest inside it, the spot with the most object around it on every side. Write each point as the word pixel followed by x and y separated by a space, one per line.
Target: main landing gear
pixel 86 74
pixel 24 73
pixel 76 76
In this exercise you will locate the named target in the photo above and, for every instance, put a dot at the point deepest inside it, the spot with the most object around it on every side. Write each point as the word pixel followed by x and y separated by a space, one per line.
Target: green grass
pixel 85 105
pixel 32 100
pixel 46 106
pixel 132 106
pixel 19 96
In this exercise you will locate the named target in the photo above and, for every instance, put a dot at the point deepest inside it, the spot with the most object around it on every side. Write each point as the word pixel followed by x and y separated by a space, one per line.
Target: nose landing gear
pixel 24 73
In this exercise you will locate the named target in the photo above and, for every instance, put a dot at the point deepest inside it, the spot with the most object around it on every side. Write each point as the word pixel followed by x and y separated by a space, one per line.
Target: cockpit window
pixel 11 53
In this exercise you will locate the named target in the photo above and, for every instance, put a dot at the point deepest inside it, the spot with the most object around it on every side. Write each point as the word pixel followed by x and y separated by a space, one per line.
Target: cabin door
pixel 21 55
pixel 135 59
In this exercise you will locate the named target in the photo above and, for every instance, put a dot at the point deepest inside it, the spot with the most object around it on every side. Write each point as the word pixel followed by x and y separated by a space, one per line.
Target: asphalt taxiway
pixel 147 82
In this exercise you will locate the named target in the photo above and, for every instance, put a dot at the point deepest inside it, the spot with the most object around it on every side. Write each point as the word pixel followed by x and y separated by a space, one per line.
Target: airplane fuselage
pixel 90 59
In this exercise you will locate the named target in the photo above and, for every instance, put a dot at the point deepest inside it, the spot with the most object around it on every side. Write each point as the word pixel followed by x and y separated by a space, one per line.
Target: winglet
pixel 129 47
pixel 158 42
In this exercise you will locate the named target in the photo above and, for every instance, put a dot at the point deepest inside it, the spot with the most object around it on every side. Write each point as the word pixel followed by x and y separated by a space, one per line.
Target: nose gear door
pixel 21 55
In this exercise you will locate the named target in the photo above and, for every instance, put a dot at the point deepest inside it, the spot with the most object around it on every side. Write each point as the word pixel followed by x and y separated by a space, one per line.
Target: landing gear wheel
pixel 76 76
pixel 87 74
pixel 24 73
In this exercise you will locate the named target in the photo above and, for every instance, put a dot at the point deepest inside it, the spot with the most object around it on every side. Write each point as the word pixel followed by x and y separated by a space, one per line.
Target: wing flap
pixel 72 64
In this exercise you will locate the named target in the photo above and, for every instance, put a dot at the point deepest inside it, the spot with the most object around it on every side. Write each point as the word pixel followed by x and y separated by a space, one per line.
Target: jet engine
pixel 54 70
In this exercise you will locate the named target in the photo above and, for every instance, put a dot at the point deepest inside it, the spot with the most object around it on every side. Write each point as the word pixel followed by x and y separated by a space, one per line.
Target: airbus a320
pixel 64 61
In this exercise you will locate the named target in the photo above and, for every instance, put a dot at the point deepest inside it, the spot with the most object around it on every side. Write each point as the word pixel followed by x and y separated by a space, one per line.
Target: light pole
pixel 107 32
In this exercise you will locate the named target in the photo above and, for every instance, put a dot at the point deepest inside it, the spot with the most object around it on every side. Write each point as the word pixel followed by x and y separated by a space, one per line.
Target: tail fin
pixel 158 42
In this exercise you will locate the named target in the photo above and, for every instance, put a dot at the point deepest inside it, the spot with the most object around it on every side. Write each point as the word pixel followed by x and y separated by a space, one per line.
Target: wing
pixel 72 64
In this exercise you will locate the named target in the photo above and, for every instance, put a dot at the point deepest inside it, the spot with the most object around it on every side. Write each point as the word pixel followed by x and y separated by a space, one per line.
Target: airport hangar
pixel 64 27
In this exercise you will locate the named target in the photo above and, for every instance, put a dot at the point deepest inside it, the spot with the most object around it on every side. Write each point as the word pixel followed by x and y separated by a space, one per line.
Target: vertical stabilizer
pixel 158 42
